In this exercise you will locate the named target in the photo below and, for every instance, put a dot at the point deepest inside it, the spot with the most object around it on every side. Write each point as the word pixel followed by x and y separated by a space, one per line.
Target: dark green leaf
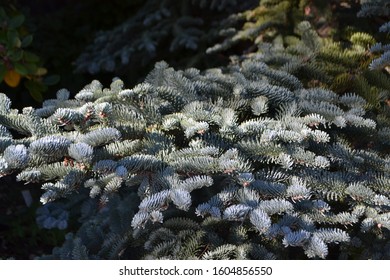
pixel 31 67
pixel 15 55
pixel 51 80
pixel 16 21
pixel 35 88
pixel 30 57
pixel 21 69
pixel 12 37
pixel 27 41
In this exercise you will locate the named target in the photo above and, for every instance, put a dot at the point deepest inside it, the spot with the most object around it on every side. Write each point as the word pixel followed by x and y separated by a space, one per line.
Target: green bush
pixel 18 63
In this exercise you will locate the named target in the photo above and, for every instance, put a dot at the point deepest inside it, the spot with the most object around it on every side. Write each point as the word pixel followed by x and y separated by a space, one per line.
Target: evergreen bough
pixel 159 29
pixel 236 162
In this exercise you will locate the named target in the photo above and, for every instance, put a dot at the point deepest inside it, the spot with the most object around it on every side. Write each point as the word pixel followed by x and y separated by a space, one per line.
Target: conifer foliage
pixel 160 28
pixel 247 161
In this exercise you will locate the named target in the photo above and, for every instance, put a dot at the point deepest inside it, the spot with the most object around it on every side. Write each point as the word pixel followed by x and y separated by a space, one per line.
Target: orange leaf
pixel 12 78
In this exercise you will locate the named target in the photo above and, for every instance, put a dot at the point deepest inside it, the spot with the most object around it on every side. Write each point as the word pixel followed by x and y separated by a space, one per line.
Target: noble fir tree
pixel 254 160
